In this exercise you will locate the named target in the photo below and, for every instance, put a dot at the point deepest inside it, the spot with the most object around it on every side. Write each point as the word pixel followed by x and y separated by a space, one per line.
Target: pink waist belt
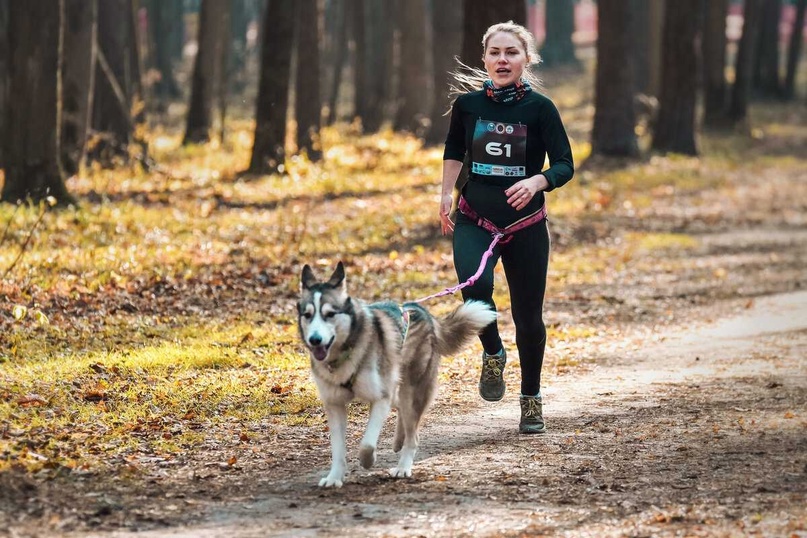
pixel 482 222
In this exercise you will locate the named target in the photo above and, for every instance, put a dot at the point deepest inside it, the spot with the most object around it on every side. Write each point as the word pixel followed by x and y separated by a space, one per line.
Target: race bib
pixel 499 149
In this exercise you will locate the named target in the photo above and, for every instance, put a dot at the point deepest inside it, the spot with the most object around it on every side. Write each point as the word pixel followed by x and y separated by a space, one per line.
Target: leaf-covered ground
pixel 151 378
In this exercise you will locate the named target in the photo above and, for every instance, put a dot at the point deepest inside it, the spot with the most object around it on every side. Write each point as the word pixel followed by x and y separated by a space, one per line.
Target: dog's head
pixel 325 312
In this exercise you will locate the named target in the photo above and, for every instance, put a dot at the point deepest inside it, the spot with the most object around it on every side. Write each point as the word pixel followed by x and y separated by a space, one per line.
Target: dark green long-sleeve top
pixel 505 143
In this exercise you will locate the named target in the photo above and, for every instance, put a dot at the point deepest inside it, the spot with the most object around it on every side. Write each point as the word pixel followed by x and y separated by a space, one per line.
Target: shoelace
pixel 493 369
pixel 531 408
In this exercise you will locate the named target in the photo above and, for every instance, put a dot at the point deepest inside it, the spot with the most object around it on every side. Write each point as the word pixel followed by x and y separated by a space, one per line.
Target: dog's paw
pixel 367 456
pixel 329 482
pixel 333 480
pixel 400 472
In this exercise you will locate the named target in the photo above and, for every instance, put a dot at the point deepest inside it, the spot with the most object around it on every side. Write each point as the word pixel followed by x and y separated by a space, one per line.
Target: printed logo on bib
pixel 499 149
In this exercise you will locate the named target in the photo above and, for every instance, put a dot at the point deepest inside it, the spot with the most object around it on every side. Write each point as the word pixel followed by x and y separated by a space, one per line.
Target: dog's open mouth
pixel 321 351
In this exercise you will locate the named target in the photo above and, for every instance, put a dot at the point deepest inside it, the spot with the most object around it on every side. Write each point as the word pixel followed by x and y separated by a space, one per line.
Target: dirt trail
pixel 698 433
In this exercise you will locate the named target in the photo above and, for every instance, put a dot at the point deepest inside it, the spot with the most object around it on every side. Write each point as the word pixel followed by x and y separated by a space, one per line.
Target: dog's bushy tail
pixel 457 328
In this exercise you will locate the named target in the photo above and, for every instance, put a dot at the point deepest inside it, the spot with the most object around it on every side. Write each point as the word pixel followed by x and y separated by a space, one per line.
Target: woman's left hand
pixel 520 194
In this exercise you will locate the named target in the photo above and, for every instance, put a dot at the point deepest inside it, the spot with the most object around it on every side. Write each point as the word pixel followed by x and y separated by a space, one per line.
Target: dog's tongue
pixel 320 352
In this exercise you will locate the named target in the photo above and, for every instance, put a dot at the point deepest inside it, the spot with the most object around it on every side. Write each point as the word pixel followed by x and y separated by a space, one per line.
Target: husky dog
pixel 380 353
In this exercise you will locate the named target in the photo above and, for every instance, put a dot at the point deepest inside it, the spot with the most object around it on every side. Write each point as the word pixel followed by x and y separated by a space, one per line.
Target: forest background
pixel 168 166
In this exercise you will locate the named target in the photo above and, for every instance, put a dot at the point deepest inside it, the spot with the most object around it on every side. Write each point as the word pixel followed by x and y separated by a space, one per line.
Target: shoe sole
pixel 490 399
pixel 530 431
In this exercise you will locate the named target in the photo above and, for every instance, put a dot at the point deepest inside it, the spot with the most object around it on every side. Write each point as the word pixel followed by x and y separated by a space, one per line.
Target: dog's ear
pixel 307 279
pixel 338 277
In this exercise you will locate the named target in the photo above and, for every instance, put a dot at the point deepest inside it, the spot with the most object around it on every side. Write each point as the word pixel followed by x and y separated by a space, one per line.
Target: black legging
pixel 526 259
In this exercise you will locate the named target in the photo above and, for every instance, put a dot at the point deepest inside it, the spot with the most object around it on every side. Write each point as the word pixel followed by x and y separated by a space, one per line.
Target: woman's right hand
pixel 446 225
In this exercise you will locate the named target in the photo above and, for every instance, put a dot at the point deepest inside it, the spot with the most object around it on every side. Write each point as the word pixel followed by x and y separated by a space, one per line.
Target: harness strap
pixel 405 330
pixel 405 320
pixel 508 231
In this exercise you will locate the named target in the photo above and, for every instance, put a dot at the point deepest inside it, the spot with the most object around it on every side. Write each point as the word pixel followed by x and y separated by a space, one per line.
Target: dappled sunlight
pixel 159 317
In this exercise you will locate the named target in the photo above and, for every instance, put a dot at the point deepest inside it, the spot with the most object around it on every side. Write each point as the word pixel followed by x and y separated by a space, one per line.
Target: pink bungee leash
pixel 453 289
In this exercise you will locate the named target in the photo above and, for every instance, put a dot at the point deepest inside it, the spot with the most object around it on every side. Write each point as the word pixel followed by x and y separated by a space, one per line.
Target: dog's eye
pixel 308 315
pixel 329 315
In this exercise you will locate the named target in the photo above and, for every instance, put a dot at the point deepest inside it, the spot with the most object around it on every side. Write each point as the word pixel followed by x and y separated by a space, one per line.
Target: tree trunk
pixel 239 25
pixel 643 32
pixel 32 131
pixel 268 151
pixel 656 23
pixel 80 26
pixel 738 108
pixel 415 82
pixel 113 99
pixel 176 39
pixel 358 27
pixel 479 16
pixel 613 132
pixel 765 80
pixel 713 44
pixel 308 106
pixel 162 27
pixel 337 53
pixel 207 70
pixel 794 51
pixel 447 32
pixel 675 126
pixel 4 58
pixel 558 48
pixel 378 63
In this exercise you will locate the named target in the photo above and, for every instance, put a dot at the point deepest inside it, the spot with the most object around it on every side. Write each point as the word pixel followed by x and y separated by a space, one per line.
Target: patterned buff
pixel 509 94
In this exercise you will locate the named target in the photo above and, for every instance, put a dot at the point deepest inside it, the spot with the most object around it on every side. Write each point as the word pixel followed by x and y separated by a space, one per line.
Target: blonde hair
pixel 467 78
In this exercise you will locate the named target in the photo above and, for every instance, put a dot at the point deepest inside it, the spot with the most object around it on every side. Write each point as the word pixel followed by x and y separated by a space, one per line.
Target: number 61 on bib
pixel 499 149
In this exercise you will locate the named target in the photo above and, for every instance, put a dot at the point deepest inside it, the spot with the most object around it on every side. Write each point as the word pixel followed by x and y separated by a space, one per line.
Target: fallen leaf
pixel 19 311
pixel 246 338
pixel 32 400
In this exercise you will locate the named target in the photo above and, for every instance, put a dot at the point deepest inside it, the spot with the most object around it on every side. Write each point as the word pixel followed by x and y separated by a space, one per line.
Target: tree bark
pixel 337 53
pixel 713 43
pixel 207 70
pixel 239 24
pixel 415 82
pixel 794 51
pixel 32 167
pixel 675 126
pixel 162 28
pixel 308 105
pixel 656 23
pixel 80 26
pixel 558 48
pixel 4 58
pixel 176 39
pixel 643 32
pixel 378 63
pixel 116 82
pixel 358 27
pixel 738 107
pixel 269 151
pixel 613 133
pixel 447 32
pixel 765 80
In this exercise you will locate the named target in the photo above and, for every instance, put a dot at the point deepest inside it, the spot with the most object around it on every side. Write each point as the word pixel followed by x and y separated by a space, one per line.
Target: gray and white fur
pixel 364 351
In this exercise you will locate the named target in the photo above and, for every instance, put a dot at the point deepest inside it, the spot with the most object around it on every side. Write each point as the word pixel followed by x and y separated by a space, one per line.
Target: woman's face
pixel 505 58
